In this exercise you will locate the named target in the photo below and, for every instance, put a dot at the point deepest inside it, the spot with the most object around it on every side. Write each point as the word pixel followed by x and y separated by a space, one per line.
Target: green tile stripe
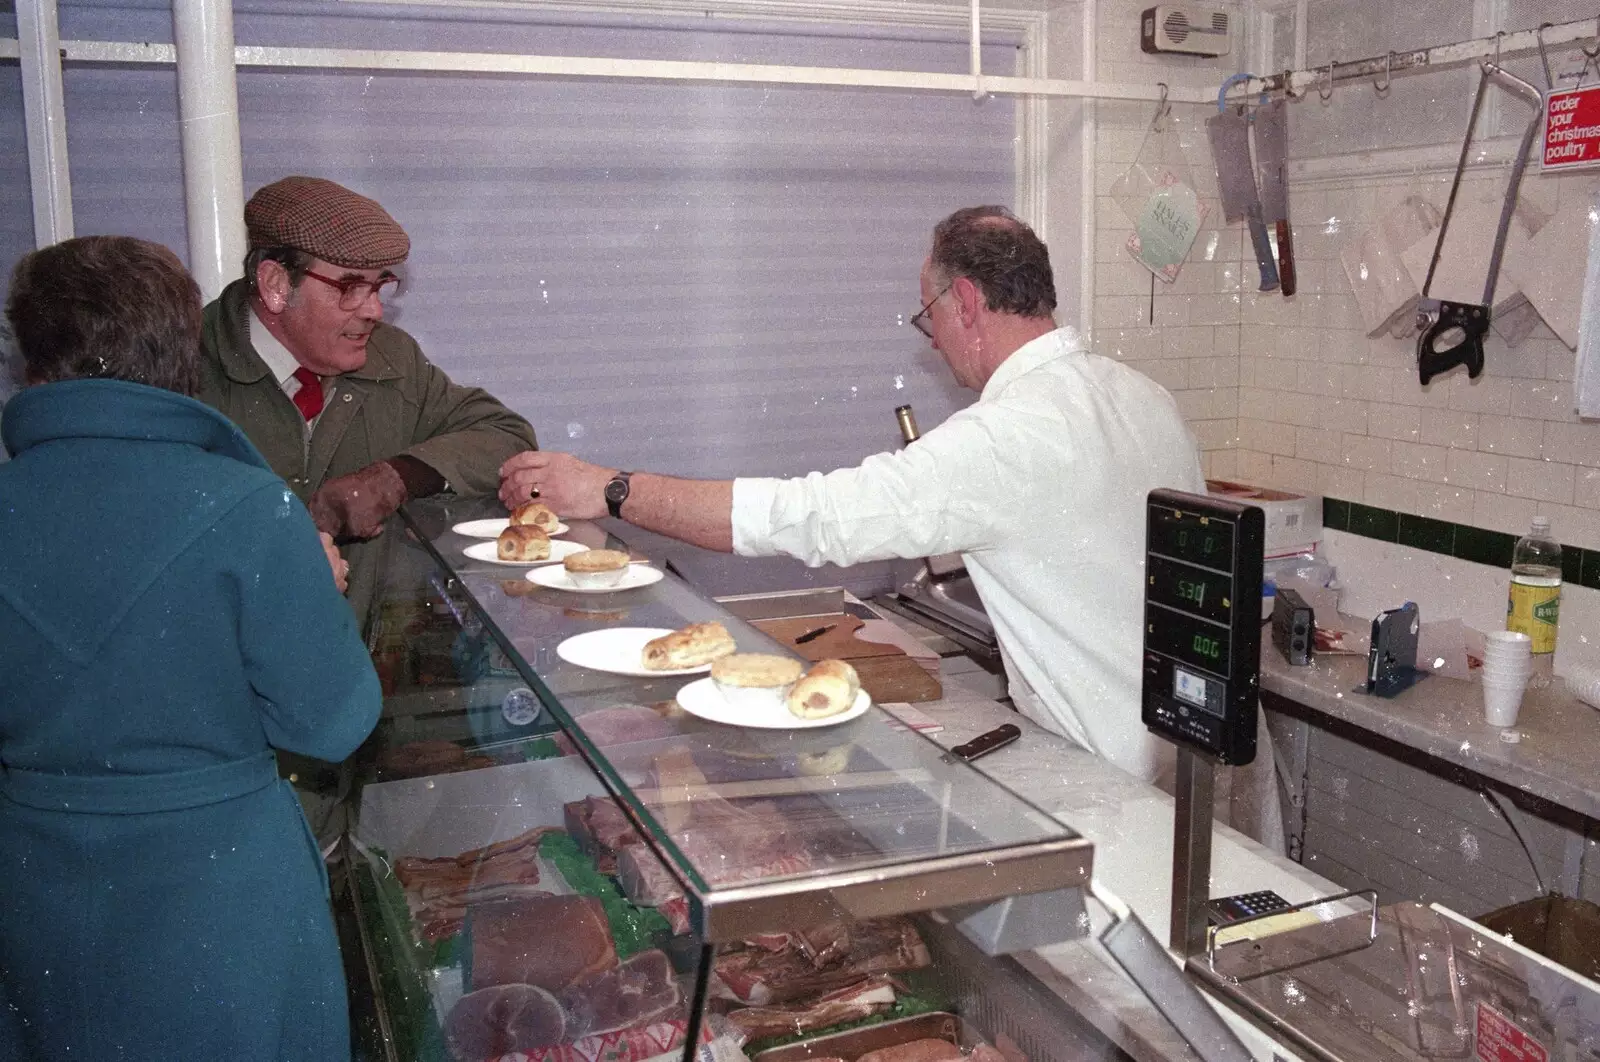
pixel 1476 544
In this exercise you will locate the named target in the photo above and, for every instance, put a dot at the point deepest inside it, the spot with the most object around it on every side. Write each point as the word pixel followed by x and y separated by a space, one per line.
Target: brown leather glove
pixel 355 506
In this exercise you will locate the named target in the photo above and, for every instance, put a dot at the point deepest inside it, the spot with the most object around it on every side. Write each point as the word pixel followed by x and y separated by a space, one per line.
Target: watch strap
pixel 617 493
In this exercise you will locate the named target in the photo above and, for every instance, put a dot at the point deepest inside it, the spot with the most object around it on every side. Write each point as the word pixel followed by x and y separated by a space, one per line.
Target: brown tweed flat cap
pixel 326 220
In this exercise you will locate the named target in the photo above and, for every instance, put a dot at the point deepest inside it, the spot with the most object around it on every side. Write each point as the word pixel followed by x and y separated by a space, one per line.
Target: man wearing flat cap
pixel 344 407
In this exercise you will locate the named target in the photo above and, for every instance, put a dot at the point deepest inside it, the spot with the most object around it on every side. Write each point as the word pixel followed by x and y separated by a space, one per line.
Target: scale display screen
pixel 1202 639
pixel 1203 592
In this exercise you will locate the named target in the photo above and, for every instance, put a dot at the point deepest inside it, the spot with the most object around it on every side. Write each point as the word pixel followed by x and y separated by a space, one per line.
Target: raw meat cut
pixel 549 941
pixel 493 1021
pixel 620 725
pixel 643 879
pixel 851 1003
pixel 640 991
pixel 762 977
pixel 929 1050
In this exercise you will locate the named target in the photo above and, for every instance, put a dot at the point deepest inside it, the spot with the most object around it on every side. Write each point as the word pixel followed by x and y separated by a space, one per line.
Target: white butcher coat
pixel 1040 485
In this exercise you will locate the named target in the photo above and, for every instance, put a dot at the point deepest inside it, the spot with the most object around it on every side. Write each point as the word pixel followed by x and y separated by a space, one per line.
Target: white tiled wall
pixel 1346 416
pixel 1290 392
pixel 1188 337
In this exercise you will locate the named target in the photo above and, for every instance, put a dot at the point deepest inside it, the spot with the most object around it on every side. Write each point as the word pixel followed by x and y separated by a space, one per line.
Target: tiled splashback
pixel 1291 393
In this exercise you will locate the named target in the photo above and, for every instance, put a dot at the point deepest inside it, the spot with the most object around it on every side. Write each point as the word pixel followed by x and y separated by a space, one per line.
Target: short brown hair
pixel 112 307
pixel 997 251
pixel 295 262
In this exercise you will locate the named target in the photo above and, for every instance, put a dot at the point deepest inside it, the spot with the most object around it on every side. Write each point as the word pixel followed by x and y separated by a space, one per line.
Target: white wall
pixel 1290 392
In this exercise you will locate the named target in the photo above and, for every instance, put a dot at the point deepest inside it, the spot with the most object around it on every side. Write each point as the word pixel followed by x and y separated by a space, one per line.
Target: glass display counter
pixel 552 860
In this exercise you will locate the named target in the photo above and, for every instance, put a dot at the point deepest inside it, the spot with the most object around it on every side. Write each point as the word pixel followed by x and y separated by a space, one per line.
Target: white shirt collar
pixel 1032 354
pixel 280 362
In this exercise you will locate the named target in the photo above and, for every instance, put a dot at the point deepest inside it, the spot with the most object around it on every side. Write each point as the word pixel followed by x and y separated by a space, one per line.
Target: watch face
pixel 617 490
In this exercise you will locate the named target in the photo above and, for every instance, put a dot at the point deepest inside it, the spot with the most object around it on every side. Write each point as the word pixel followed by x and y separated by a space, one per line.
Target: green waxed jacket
pixel 398 403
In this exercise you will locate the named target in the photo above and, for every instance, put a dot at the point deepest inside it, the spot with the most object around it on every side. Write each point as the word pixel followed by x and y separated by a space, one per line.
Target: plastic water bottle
pixel 1534 607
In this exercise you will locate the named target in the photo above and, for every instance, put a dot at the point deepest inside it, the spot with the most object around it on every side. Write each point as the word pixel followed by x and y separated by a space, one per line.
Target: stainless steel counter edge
pixel 732 914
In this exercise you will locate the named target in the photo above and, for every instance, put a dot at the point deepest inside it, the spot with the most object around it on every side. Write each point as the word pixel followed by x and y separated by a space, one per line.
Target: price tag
pixel 1571 128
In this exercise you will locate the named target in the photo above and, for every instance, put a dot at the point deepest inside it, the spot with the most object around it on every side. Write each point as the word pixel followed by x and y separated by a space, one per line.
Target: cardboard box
pixel 1560 928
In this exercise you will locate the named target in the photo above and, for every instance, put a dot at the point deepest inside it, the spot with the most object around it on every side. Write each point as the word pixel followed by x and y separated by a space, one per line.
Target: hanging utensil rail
pixel 1397 64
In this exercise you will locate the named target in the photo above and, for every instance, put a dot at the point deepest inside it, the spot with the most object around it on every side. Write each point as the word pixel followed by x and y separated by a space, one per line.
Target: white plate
pixel 619 650
pixel 557 579
pixel 559 551
pixel 702 698
pixel 492 527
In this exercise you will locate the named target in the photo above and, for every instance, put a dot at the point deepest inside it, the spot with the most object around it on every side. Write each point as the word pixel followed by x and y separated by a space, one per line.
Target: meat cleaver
pixel 1272 163
pixel 1229 133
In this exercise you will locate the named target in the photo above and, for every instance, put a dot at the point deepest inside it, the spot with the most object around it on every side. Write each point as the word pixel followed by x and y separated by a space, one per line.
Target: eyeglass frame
pixel 346 285
pixel 923 319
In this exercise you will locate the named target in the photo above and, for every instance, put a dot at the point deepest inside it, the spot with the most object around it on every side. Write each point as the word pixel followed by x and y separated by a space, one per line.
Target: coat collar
pixel 117 409
pixel 243 365
pixel 1060 343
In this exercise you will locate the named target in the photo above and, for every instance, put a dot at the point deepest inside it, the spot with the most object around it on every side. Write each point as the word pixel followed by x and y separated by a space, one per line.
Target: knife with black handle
pixel 1272 162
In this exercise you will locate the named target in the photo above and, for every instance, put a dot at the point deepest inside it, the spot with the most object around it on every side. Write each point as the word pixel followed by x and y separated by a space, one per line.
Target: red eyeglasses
pixel 353 291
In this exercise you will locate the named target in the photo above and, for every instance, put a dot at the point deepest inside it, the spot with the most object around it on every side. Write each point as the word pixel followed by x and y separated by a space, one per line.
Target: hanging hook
pixel 1589 56
pixel 1382 87
pixel 1227 86
pixel 1163 108
pixel 1498 34
pixel 1328 95
pixel 1549 82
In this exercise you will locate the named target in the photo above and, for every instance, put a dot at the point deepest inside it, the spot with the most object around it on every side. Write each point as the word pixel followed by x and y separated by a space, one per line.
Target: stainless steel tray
pixel 853 1043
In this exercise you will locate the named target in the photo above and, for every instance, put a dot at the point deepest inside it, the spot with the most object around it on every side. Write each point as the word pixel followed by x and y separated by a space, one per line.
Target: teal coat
pixel 167 618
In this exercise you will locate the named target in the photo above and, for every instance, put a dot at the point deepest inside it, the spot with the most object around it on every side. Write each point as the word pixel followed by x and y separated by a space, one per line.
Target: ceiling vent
pixel 1186 30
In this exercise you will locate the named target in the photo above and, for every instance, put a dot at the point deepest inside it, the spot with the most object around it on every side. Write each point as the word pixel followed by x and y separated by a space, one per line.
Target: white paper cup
pixel 1504 671
pixel 1506 645
pixel 1501 703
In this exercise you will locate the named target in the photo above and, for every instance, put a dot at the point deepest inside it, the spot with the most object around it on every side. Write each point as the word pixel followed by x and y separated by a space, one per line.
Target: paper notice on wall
pixel 1158 194
pixel 1571 129
pixel 1384 292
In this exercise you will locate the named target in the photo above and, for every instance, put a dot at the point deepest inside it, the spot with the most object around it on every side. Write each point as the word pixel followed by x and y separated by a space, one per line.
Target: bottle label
pixel 1535 611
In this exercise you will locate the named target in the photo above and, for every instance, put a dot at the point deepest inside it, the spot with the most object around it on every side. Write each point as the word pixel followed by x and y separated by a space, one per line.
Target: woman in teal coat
pixel 167 619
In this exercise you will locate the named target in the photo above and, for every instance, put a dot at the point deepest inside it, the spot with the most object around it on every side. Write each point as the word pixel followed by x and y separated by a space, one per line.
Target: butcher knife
pixel 1272 162
pixel 1229 133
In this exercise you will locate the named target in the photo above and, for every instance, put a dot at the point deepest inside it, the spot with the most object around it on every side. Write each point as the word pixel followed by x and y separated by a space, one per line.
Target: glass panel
pixel 488 929
pixel 733 805
pixel 505 901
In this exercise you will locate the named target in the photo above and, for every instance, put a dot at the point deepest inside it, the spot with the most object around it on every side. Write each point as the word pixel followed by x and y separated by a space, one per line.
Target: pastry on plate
pixel 522 542
pixel 595 568
pixel 696 645
pixel 535 514
pixel 755 680
pixel 829 688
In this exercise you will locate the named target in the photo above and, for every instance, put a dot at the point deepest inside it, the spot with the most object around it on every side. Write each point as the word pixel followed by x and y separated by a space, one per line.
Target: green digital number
pixel 1210 648
pixel 1192 591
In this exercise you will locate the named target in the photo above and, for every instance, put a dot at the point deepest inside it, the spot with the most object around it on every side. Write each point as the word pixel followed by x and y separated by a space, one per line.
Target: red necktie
pixel 309 398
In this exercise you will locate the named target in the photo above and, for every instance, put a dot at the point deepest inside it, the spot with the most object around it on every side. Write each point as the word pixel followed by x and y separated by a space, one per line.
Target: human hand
pixel 340 566
pixel 569 486
pixel 355 506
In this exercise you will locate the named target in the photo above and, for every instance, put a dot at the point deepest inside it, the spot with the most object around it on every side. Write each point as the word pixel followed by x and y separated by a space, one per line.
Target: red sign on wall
pixel 1498 1039
pixel 1572 128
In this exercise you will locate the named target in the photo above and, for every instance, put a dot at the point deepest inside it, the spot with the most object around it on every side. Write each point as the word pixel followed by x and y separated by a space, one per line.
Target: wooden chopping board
pixel 840 643
pixel 887 673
